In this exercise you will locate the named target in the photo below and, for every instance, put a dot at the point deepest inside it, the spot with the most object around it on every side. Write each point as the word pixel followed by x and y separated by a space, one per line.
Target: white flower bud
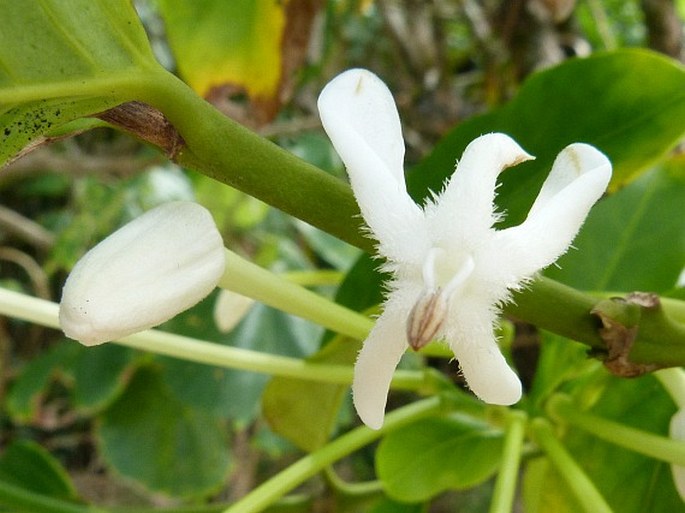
pixel 142 275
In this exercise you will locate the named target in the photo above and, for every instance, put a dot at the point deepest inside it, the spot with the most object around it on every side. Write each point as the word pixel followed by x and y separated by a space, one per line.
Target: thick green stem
pixel 583 489
pixel 45 313
pixel 561 408
pixel 505 487
pixel 250 280
pixel 287 480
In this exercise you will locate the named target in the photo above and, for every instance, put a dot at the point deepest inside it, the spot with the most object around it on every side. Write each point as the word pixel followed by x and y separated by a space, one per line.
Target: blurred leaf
pixel 62 61
pixel 100 374
pixel 27 465
pixel 435 454
pixel 630 104
pixel 335 252
pixel 306 414
pixel 243 45
pixel 150 436
pixel 24 397
pixel 390 506
pixel 634 240
pixel 630 482
pixel 228 393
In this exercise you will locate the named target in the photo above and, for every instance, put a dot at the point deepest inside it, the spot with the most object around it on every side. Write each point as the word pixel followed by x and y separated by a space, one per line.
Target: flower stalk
pixel 505 486
pixel 583 489
pixel 562 409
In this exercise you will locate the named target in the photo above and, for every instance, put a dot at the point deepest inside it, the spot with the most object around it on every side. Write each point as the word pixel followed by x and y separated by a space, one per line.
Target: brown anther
pixel 426 319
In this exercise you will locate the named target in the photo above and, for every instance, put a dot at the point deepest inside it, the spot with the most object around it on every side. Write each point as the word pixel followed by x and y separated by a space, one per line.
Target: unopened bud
pixel 142 275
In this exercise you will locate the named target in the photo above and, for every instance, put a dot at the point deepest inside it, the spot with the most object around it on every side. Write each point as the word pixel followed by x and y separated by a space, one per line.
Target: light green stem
pixel 45 313
pixel 561 408
pixel 583 489
pixel 505 487
pixel 248 279
pixel 297 473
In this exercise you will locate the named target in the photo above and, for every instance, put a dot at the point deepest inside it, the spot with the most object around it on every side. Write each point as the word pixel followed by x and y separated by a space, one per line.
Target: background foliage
pixel 118 427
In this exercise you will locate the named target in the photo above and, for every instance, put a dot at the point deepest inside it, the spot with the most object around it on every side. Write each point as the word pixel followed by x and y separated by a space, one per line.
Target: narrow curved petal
pixel 377 361
pixel 359 115
pixel 579 177
pixel 485 369
pixel 143 274
pixel 677 432
pixel 466 204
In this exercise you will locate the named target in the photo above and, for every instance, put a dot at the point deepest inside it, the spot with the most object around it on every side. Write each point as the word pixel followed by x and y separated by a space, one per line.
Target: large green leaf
pixel 433 455
pixel 630 104
pixel 167 446
pixel 60 61
pixel 635 240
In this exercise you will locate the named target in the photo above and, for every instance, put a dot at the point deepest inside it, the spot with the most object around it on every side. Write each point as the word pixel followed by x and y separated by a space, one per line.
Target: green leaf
pixel 635 240
pixel 100 374
pixel 228 393
pixel 60 61
pixel 630 482
pixel 148 435
pixel 24 398
pixel 433 455
pixel 306 414
pixel 630 104
pixel 27 465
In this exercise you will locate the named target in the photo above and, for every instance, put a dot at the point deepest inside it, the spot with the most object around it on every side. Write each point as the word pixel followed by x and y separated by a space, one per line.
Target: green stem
pixel 362 489
pixel 230 153
pixel 315 278
pixel 505 487
pixel 561 408
pixel 273 489
pixel 673 380
pixel 581 486
pixel 250 280
pixel 45 313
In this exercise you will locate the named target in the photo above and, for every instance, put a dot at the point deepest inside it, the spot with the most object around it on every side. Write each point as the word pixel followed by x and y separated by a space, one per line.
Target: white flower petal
pixel 155 267
pixel 465 207
pixel 487 373
pixel 579 177
pixel 359 115
pixel 229 309
pixel 677 432
pixel 377 361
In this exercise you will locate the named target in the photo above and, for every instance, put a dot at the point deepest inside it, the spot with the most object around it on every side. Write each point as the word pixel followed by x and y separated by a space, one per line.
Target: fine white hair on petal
pixel 466 203
pixel 579 177
pixel 153 268
pixel 677 432
pixel 359 115
pixel 378 359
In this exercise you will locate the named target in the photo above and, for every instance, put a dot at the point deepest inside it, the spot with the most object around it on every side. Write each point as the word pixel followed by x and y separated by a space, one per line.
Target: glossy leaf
pixel 60 61
pixel 433 455
pixel 27 465
pixel 630 104
pixel 148 435
pixel 635 240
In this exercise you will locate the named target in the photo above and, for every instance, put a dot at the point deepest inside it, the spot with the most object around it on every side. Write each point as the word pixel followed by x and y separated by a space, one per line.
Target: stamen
pixel 427 318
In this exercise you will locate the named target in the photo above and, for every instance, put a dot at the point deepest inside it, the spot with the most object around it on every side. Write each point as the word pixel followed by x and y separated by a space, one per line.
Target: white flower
pixel 677 432
pixel 451 269
pixel 142 275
